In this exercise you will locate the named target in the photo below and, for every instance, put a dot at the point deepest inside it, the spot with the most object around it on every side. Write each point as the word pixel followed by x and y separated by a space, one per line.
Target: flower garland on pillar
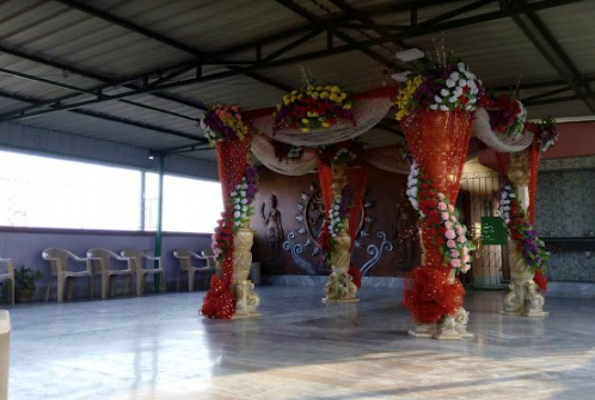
pixel 523 233
pixel 224 127
pixel 435 107
pixel 346 205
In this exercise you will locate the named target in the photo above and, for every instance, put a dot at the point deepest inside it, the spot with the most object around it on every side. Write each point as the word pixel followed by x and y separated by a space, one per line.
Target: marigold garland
pixel 223 122
pixel 313 108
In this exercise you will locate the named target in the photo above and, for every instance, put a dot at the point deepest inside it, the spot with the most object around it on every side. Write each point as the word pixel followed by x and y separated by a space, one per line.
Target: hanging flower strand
pixel 223 122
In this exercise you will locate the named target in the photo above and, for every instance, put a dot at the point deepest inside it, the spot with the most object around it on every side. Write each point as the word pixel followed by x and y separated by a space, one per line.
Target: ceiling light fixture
pixel 409 54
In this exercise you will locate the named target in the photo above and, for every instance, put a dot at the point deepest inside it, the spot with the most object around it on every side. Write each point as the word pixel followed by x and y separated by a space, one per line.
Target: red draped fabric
pixel 503 163
pixel 438 141
pixel 357 176
pixel 533 172
pixel 231 162
pixel 325 176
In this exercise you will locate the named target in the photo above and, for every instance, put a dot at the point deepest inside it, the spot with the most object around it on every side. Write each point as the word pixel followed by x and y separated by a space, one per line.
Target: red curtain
pixel 357 176
pixel 503 163
pixel 533 172
pixel 438 141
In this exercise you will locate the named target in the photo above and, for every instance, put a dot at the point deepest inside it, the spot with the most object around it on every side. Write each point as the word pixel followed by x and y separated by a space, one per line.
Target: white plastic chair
pixel 59 269
pixel 137 260
pixel 212 262
pixel 9 274
pixel 105 265
pixel 185 258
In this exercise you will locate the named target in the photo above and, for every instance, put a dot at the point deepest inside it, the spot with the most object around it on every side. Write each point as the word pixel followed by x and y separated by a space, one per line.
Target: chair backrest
pixel 185 258
pixel 101 258
pixel 137 258
pixel 210 256
pixel 58 259
pixel 8 271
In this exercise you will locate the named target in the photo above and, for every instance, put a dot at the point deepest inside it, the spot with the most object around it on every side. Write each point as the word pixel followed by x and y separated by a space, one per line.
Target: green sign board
pixel 493 231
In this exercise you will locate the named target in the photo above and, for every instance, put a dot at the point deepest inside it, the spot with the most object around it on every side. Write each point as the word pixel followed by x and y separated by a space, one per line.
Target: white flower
pixel 462 83
pixel 450 83
pixel 237 200
pixel 444 92
pixel 244 186
pixel 414 204
pixel 461 66
pixel 237 207
pixel 458 92
pixel 336 207
pixel 233 194
pixel 507 221
pixel 454 76
pixel 471 83
pixel 434 107
pixel 244 201
pixel 504 195
pixel 237 214
pixel 437 99
pixel 243 193
pixel 472 100
pixel 453 99
pixel 443 108
pixel 244 209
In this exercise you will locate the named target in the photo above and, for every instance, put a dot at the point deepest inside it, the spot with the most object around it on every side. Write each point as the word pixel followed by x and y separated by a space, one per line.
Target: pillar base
pixel 247 300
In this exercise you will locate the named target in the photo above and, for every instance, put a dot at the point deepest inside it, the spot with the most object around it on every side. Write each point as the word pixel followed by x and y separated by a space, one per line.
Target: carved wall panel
pixel 386 244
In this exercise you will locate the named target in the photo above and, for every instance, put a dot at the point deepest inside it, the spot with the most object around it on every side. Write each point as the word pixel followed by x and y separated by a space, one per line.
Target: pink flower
pixel 444 217
pixel 450 244
pixel 450 234
pixel 442 206
pixel 238 117
pixel 234 108
pixel 452 217
pixel 465 258
pixel 451 208
pixel 459 230
pixel 465 250
pixel 461 239
pixel 448 225
pixel 465 267
pixel 441 196
pixel 454 253
pixel 455 262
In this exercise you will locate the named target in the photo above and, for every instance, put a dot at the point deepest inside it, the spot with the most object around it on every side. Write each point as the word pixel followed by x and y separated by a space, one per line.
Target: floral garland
pixel 547 134
pixel 313 108
pixel 286 151
pixel 443 86
pixel 522 232
pixel 346 153
pixel 223 122
pixel 507 115
pixel 239 212
pixel 440 220
pixel 339 211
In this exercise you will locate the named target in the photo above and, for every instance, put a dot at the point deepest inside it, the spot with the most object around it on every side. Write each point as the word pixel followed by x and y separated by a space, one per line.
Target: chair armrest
pixel 153 258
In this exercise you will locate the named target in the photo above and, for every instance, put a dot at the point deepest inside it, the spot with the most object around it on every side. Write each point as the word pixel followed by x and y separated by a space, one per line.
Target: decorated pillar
pixel 436 109
pixel 232 296
pixel 340 286
pixel 526 251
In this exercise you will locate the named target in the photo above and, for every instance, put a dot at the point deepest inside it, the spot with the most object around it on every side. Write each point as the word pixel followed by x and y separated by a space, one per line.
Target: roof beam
pixel 107 117
pixel 559 60
pixel 198 54
pixel 262 65
pixel 289 4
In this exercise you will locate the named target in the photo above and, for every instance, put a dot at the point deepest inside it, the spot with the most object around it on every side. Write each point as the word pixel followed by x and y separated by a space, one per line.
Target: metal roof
pixel 140 72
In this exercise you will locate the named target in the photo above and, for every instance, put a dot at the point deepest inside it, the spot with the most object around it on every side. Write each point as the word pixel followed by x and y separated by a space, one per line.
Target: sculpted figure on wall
pixel 273 226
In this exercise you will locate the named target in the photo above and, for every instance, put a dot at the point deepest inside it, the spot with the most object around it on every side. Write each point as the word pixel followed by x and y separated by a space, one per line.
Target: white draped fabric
pixel 388 159
pixel 496 140
pixel 367 112
pixel 264 150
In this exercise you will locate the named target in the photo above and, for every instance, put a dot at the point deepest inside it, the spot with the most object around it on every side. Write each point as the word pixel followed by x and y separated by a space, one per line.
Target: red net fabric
pixel 503 163
pixel 438 142
pixel 231 161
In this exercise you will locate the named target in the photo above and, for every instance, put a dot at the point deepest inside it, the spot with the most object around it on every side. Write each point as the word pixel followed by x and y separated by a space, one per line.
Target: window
pixel 53 193
pixel 189 205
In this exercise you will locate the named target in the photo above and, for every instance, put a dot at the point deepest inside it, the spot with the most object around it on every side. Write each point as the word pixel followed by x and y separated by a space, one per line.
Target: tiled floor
pixel 158 347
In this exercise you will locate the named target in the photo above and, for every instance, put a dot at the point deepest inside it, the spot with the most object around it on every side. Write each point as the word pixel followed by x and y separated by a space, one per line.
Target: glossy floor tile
pixel 158 347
